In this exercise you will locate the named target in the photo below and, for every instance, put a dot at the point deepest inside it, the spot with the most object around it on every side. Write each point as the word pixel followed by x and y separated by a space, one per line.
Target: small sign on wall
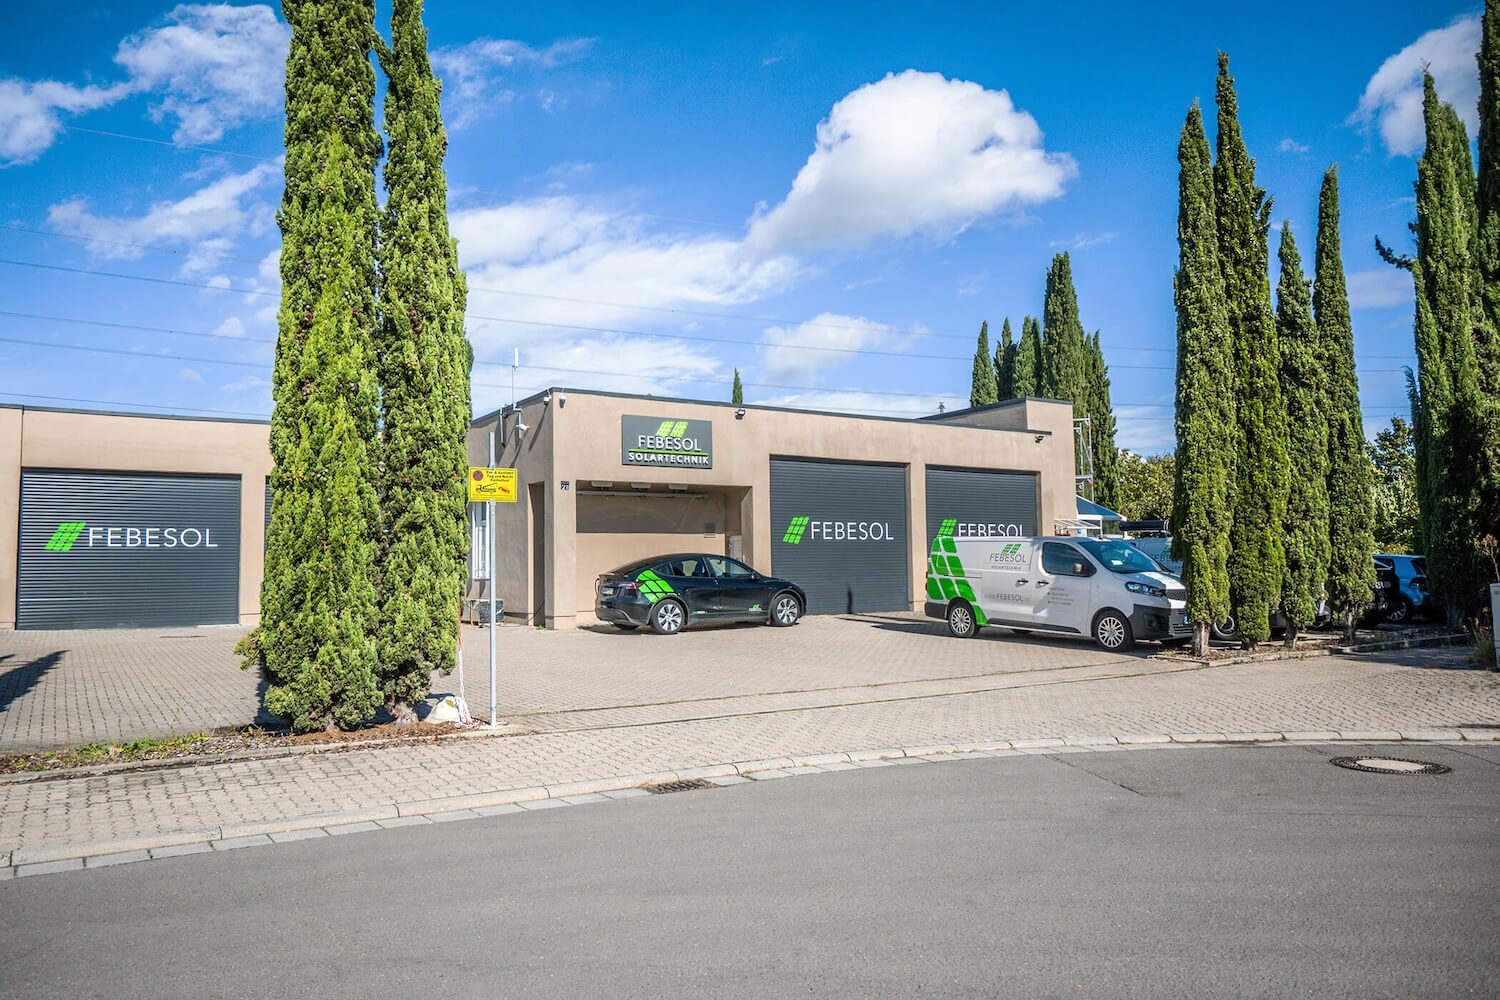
pixel 492 484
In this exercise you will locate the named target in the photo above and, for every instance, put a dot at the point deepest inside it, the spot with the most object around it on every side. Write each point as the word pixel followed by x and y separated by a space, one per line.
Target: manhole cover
pixel 1389 765
pixel 679 786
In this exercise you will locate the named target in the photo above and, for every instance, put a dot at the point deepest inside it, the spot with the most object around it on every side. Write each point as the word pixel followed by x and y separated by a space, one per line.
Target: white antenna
pixel 515 362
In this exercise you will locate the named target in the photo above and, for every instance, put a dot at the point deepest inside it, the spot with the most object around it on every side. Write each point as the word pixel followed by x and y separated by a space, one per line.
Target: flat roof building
pixel 121 520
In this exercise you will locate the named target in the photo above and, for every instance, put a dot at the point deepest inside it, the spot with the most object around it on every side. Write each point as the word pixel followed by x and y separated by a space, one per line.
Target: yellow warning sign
pixel 492 484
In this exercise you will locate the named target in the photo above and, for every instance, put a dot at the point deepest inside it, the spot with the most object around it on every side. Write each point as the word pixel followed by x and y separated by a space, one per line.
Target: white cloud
pixel 203 221
pixel 210 67
pixel 1393 98
pixel 570 260
pixel 1381 288
pixel 473 75
pixel 786 354
pixel 231 327
pixel 1290 145
pixel 1085 241
pixel 912 153
pixel 30 113
pixel 190 375
pixel 219 66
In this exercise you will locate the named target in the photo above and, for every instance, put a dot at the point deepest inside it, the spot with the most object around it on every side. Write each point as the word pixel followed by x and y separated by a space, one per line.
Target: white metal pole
pixel 490 516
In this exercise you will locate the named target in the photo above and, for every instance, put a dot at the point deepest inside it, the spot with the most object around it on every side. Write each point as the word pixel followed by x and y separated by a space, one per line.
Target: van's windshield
pixel 1118 557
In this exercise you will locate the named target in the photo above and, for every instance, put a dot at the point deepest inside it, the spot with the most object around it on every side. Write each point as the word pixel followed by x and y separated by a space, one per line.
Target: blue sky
pixel 743 182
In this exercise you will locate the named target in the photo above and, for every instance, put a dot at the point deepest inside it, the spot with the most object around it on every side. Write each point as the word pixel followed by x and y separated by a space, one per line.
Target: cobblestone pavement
pixel 1372 698
pixel 67 688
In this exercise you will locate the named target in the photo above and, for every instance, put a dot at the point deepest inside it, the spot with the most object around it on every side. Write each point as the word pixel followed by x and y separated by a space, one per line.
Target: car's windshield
pixel 1117 556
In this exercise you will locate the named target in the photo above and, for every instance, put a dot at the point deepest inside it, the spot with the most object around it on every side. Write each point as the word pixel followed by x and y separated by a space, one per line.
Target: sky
pixel 828 198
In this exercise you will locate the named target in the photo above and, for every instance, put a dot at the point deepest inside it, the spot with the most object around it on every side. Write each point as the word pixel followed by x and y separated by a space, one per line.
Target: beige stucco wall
pixel 50 439
pixel 578 441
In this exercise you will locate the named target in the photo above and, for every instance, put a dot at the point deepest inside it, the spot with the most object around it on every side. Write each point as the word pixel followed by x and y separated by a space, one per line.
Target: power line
pixel 116 402
pixel 173 145
pixel 585 302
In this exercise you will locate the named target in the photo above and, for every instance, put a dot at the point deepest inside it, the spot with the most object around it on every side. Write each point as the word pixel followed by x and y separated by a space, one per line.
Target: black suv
pixel 670 593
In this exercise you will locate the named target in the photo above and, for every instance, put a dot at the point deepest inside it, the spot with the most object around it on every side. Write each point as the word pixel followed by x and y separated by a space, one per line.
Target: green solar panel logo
pixel 948 525
pixel 795 530
pixel 66 534
pixel 653 586
pixel 672 428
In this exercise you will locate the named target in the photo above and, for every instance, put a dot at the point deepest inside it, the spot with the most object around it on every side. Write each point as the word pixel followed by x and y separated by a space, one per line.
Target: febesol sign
pixel 678 444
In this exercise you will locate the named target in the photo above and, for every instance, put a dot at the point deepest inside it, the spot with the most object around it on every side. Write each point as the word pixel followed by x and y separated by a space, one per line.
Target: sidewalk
pixel 1374 699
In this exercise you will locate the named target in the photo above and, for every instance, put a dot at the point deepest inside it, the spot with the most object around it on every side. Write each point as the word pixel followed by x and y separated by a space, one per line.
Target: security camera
pixel 522 428
pixel 546 398
pixel 562 399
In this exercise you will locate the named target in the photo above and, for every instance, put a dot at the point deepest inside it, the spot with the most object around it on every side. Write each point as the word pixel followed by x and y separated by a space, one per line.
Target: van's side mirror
pixel 1080 569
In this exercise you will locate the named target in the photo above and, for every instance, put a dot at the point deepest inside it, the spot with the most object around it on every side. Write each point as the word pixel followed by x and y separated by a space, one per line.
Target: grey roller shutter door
pixel 112 549
pixel 869 571
pixel 981 502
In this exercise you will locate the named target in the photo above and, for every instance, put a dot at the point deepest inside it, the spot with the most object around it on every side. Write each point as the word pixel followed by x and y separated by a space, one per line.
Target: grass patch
pixel 101 753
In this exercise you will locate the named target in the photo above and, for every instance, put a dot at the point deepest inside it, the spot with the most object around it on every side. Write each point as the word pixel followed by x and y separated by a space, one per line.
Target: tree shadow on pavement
pixel 18 681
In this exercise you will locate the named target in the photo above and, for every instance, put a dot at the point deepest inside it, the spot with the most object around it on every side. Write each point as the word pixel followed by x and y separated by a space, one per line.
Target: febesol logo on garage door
pixel 801 527
pixel 70 533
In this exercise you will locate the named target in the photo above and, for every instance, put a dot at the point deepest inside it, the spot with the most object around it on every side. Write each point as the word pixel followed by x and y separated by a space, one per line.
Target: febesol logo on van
pixel 1008 555
pixel 801 527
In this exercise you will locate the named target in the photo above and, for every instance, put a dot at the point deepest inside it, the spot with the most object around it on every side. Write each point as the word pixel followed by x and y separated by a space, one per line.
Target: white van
pixel 1104 588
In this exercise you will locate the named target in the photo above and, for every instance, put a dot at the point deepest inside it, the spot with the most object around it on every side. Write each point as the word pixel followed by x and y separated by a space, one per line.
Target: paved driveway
pixel 63 688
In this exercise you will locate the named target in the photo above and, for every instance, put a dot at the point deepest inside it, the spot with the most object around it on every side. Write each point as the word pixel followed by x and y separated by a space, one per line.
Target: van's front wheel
pixel 961 620
pixel 1112 631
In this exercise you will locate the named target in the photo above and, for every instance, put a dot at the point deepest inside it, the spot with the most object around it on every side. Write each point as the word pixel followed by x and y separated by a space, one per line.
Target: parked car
pixel 1411 597
pixel 670 593
pixel 1103 588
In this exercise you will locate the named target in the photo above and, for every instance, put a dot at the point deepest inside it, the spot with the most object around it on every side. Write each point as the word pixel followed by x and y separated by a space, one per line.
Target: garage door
pixel 108 549
pixel 977 502
pixel 840 531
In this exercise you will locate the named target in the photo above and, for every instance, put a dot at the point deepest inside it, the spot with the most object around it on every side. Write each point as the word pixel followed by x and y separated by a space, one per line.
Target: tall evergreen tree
pixel 1351 510
pixel 1205 392
pixel 1304 388
pixel 1256 555
pixel 316 639
pixel 1487 340
pixel 1102 418
pixel 1005 364
pixel 737 392
pixel 1065 362
pixel 424 378
pixel 982 390
pixel 1447 409
pixel 1028 369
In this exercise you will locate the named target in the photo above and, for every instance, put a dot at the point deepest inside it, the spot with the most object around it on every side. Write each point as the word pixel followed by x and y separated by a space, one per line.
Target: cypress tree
pixel 1064 353
pixel 1351 481
pixel 1256 556
pixel 982 382
pixel 1005 364
pixel 737 392
pixel 1102 415
pixel 316 639
pixel 1303 384
pixel 1487 341
pixel 1205 392
pixel 1028 367
pixel 1446 408
pixel 424 377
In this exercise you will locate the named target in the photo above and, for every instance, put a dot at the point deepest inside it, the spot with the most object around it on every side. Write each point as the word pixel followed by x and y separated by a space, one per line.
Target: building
pixel 847 506
pixel 115 520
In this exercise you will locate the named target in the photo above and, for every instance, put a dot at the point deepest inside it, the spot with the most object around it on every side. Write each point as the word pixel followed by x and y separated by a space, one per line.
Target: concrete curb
pixel 26 861
pixel 1421 642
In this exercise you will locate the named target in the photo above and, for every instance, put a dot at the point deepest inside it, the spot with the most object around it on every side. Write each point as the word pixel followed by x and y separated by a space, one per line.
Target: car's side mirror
pixel 1079 569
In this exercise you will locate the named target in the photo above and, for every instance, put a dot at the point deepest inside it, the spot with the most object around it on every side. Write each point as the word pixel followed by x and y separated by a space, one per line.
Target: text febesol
pixel 850 531
pixel 151 538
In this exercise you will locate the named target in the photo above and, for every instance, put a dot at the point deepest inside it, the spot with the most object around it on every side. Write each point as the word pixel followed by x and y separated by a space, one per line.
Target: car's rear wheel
pixel 668 617
pixel 1226 630
pixel 961 620
pixel 1400 611
pixel 1112 631
pixel 785 610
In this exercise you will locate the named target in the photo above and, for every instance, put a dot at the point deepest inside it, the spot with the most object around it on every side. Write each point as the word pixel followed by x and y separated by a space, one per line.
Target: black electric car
pixel 670 593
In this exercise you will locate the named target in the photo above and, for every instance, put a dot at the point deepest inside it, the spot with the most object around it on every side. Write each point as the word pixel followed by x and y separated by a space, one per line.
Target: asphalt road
pixel 1254 872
